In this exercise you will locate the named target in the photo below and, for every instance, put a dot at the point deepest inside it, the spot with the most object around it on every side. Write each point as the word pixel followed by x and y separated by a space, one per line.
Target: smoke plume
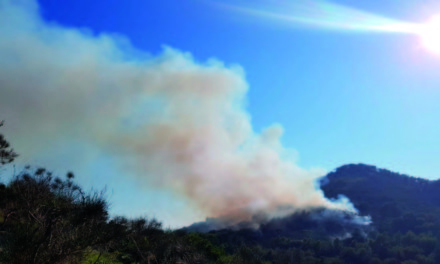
pixel 171 122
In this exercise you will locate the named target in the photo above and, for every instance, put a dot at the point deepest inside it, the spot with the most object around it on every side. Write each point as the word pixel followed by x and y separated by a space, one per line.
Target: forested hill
pixel 405 226
pixel 396 202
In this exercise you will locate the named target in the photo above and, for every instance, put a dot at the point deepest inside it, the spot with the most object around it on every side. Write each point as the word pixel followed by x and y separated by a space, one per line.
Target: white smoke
pixel 170 121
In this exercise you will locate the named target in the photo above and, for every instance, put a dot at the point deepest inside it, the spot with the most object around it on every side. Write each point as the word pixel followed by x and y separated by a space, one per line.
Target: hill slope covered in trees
pixel 396 202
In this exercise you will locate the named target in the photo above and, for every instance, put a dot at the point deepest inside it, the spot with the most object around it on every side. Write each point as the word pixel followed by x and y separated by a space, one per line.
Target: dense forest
pixel 50 219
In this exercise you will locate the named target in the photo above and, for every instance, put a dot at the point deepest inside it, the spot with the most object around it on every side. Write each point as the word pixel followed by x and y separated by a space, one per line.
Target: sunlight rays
pixel 331 16
pixel 322 14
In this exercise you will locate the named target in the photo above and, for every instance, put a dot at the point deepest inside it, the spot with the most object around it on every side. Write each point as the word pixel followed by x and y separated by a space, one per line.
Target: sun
pixel 430 35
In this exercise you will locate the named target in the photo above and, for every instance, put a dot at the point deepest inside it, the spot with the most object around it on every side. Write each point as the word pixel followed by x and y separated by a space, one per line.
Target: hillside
pixel 45 219
pixel 405 213
pixel 396 202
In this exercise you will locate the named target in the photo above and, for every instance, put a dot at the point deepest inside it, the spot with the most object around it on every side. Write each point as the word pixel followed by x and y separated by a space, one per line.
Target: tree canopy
pixel 7 154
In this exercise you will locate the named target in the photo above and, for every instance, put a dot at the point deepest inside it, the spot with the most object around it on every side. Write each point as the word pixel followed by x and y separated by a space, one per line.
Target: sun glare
pixel 430 35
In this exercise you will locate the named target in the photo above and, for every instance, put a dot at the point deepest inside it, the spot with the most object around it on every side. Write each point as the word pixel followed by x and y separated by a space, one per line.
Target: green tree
pixel 49 220
pixel 7 154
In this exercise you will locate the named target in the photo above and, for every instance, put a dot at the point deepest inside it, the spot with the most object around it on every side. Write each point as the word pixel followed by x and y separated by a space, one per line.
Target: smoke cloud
pixel 171 122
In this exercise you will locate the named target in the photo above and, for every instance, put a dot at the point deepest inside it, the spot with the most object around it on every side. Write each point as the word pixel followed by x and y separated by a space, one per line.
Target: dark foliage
pixel 396 202
pixel 7 154
pixel 47 220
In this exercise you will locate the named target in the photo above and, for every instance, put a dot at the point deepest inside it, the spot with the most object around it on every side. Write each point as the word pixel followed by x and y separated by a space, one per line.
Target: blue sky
pixel 341 96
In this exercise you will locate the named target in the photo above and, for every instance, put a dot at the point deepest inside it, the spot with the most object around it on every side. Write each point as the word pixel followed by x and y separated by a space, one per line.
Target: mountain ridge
pixel 394 201
pixel 386 196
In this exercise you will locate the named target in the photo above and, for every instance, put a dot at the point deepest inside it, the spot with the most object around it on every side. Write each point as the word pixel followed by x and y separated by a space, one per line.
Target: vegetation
pixel 46 219
pixel 7 155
